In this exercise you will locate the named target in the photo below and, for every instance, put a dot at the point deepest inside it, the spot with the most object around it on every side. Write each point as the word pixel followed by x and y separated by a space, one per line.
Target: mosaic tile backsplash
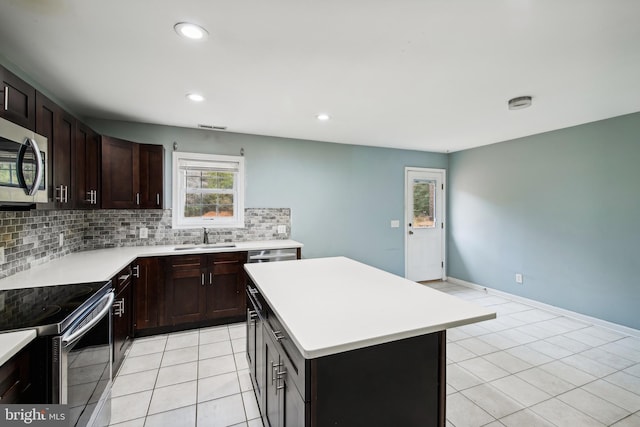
pixel 33 237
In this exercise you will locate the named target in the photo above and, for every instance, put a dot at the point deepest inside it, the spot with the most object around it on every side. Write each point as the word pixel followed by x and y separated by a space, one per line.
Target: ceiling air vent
pixel 211 127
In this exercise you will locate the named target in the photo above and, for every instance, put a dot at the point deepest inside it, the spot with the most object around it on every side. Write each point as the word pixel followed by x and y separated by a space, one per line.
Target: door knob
pixel 410 232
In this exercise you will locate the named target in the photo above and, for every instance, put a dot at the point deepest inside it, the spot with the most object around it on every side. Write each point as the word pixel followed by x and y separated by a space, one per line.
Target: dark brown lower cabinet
pixel 122 316
pixel 204 289
pixel 17 378
pixel 148 292
pixel 397 383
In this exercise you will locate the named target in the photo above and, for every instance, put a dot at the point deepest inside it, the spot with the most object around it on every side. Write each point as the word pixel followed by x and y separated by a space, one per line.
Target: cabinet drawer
pixel 184 262
pixel 297 366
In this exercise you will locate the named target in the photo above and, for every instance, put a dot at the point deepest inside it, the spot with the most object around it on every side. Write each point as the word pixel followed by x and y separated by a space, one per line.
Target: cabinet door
pixel 272 410
pixel 120 174
pixel 225 292
pixel 54 123
pixel 148 281
pixel 86 167
pixel 15 378
pixel 293 407
pixel 185 286
pixel 18 100
pixel 151 178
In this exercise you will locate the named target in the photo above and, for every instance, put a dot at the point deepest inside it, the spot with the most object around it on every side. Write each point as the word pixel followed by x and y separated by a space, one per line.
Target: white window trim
pixel 178 221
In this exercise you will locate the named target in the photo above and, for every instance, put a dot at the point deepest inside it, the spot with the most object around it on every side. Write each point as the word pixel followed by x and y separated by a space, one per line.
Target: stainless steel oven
pixel 81 364
pixel 22 165
pixel 73 323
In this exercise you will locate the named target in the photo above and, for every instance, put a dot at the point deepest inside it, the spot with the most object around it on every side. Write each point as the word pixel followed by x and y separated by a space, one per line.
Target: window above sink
pixel 208 191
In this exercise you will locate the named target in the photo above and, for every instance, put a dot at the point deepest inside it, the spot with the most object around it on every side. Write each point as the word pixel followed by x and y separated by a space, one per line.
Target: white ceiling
pixel 430 75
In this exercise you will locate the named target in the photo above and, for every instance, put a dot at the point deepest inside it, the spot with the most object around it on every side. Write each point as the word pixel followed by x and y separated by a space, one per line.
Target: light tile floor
pixel 527 368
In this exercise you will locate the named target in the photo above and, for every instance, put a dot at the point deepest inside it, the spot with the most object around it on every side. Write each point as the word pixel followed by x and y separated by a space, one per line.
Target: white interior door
pixel 425 208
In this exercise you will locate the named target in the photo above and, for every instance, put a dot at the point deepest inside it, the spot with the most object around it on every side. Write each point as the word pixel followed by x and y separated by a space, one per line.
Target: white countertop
pixel 12 342
pixel 102 264
pixel 332 305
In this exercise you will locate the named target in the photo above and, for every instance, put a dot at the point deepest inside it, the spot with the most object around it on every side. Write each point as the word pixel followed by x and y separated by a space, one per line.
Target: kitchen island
pixel 334 342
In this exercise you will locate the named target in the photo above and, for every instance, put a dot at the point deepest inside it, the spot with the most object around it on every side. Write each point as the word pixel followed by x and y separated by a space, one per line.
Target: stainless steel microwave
pixel 23 159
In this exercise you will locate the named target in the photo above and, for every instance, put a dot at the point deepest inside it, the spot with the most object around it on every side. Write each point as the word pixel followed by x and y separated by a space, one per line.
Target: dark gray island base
pixel 398 383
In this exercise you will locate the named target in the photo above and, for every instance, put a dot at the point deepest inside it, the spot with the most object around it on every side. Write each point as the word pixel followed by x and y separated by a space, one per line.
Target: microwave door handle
pixel 39 167
pixel 30 143
pixel 68 339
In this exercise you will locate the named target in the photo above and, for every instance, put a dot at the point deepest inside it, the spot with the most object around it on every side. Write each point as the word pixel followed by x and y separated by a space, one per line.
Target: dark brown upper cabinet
pixel 58 127
pixel 87 168
pixel 74 157
pixel 131 174
pixel 151 177
pixel 18 100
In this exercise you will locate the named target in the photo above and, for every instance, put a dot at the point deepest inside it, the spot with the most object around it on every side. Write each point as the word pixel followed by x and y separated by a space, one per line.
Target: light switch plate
pixel 144 233
pixel 519 278
pixel 395 223
pixel 282 229
pixel 61 240
pixel 1 255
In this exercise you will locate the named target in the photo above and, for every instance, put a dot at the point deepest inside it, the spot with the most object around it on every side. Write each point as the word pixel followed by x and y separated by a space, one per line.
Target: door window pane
pixel 424 192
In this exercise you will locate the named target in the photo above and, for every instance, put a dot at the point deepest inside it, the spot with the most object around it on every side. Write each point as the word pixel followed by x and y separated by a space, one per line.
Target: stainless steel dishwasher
pixel 271 255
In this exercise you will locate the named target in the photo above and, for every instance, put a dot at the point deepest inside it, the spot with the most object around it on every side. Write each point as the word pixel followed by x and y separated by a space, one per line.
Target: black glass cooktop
pixel 46 308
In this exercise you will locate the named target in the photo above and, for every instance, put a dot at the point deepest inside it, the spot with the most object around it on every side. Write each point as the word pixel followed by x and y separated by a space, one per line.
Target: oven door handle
pixel 68 339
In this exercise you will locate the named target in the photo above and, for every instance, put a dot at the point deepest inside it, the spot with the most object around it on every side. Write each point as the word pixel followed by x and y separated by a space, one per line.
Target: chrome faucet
pixel 205 237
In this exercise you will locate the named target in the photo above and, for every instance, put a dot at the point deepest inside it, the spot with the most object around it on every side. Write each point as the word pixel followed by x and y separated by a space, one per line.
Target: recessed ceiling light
pixel 519 102
pixel 195 97
pixel 323 117
pixel 190 31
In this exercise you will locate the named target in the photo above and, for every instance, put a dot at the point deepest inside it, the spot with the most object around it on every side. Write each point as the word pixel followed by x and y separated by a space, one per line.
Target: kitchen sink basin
pixel 204 246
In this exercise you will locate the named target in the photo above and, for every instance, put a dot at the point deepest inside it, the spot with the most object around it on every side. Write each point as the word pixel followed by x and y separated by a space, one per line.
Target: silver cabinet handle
pixel 253 291
pixel 202 276
pixel 274 369
pixel 90 194
pixel 210 278
pixel 278 335
pixel 136 271
pixel 63 190
pixel 158 199
pixel 6 98
pixel 137 198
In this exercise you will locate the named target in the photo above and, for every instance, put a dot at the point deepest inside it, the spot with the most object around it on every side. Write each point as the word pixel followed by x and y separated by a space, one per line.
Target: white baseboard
pixel 560 311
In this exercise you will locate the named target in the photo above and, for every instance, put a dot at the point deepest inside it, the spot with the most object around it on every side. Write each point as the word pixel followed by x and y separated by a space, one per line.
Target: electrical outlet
pixel 144 232
pixel 61 240
pixel 1 255
pixel 395 223
pixel 519 278
pixel 282 229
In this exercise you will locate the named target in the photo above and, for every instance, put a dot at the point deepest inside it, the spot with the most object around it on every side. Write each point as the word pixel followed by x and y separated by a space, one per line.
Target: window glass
pixel 423 203
pixel 208 190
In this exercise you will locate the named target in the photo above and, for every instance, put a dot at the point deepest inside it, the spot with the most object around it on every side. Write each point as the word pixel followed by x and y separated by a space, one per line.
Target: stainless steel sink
pixel 204 246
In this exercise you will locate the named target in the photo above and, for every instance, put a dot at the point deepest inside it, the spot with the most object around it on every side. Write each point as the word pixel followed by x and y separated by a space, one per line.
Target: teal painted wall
pixel 562 208
pixel 342 197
